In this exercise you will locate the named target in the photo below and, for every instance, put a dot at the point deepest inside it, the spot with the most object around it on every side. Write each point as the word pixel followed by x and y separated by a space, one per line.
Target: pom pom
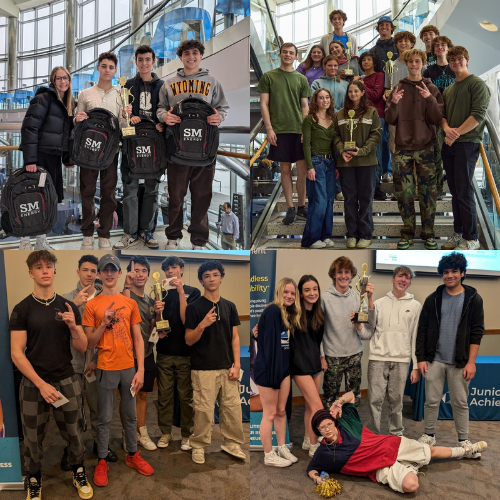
pixel 329 488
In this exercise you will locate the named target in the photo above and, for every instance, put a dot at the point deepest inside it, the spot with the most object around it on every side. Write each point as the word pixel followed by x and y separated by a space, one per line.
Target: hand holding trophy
pixel 389 69
pixel 123 99
pixel 360 316
pixel 158 293
pixel 351 125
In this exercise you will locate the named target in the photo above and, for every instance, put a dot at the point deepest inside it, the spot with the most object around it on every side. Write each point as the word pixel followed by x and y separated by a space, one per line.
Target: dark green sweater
pixel 316 139
pixel 366 135
pixel 470 97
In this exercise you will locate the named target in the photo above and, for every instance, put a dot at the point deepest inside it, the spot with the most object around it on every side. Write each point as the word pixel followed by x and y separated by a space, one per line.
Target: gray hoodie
pixel 341 338
pixel 81 360
pixel 200 85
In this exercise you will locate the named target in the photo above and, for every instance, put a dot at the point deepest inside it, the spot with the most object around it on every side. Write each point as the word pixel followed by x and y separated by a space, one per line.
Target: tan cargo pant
pixel 208 386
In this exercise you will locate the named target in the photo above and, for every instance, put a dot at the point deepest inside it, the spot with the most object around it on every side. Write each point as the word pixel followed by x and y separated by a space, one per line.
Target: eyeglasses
pixel 62 79
pixel 457 60
pixel 325 427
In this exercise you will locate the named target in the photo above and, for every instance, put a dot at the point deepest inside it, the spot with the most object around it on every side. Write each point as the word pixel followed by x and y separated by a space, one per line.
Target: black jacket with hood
pixel 470 328
pixel 46 126
pixel 138 85
pixel 381 48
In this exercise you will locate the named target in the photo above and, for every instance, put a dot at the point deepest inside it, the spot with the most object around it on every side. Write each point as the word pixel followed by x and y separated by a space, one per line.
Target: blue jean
pixel 383 153
pixel 321 195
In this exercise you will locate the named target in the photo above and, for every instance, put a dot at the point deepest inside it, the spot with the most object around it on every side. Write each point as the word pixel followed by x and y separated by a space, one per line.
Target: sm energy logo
pixel 192 134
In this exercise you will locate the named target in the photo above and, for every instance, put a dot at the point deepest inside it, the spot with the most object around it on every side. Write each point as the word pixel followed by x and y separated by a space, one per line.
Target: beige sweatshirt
pixel 95 97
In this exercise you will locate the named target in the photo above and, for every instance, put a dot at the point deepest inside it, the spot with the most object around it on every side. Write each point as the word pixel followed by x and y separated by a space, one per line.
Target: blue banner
pixel 10 460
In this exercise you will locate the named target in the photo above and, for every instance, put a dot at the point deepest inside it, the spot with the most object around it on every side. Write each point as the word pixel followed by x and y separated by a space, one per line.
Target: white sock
pixel 269 453
pixel 457 452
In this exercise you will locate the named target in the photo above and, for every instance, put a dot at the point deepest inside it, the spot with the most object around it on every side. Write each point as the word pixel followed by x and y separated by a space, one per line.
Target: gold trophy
pixel 158 293
pixel 348 53
pixel 360 316
pixel 389 69
pixel 123 99
pixel 350 125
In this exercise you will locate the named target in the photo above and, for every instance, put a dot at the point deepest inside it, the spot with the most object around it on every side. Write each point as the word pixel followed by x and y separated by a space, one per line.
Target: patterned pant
pixel 404 186
pixel 35 414
pixel 337 367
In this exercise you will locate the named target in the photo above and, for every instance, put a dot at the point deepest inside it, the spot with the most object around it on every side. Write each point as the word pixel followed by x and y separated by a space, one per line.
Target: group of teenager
pixel 96 339
pixel 53 113
pixel 303 334
pixel 429 118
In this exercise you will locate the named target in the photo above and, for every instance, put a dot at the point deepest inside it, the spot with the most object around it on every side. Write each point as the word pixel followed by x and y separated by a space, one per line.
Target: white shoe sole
pixel 280 465
pixel 241 455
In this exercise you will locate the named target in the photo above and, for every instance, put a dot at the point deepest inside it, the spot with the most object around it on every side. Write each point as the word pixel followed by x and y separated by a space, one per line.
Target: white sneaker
pixel 24 243
pixel 329 242
pixel 41 243
pixel 186 445
pixel 284 452
pixel 351 243
pixel 144 440
pixel 234 450
pixel 198 247
pixel 466 245
pixel 306 444
pixel 164 441
pixel 473 450
pixel 172 244
pixel 387 177
pixel 339 197
pixel 87 243
pixel 426 439
pixel 313 449
pixel 318 244
pixel 452 242
pixel 127 241
pixel 198 455
pixel 104 244
pixel 272 459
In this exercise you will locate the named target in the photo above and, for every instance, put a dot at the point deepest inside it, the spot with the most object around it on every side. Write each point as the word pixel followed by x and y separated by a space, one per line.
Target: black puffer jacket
pixel 381 48
pixel 46 126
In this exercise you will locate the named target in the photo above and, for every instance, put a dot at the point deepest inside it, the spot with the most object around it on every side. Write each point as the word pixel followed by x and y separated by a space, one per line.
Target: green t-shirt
pixel 285 90
pixel 316 139
pixel 463 99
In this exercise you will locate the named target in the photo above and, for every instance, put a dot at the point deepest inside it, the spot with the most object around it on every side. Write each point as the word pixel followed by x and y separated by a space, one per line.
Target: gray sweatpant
pixel 387 377
pixel 107 383
pixel 458 388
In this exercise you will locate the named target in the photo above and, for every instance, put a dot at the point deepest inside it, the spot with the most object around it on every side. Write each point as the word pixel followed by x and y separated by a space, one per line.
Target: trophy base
pixel 349 146
pixel 348 72
pixel 360 317
pixel 127 131
pixel 388 92
pixel 163 326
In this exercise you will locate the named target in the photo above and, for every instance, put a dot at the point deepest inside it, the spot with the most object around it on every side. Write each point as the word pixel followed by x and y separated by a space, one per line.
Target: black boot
pixel 65 465
pixel 112 456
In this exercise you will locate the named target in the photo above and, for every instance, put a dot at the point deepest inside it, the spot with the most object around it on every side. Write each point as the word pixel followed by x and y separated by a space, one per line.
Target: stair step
pixel 254 106
pixel 378 206
pixel 383 226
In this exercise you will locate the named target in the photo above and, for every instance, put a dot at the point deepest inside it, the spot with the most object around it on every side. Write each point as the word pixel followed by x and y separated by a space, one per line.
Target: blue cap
pixel 384 19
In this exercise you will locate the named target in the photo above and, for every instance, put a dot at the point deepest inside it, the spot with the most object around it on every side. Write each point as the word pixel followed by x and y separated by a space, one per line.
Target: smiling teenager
pixel 312 67
pixel 338 18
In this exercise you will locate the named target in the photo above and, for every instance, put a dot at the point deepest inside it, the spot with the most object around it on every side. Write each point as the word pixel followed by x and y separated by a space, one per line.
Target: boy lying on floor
pixel 348 447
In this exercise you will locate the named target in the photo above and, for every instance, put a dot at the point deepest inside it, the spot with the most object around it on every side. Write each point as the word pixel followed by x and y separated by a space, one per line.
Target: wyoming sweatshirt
pixel 200 85
pixel 341 339
pixel 394 327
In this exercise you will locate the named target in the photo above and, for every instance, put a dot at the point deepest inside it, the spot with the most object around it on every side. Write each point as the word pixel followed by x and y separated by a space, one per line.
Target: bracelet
pixel 126 288
pixel 76 338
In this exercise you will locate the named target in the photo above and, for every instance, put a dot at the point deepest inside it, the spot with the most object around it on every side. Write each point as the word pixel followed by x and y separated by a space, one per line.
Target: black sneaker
pixel 440 196
pixel 65 465
pixel 81 483
pixel 112 457
pixel 379 195
pixel 34 488
pixel 302 213
pixel 289 217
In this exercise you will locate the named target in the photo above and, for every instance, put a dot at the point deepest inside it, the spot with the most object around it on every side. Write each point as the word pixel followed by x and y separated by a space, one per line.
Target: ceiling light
pixel 488 26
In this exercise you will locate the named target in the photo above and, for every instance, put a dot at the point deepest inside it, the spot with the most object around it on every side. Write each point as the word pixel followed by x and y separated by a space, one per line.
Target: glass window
pixel 383 5
pixel 103 47
pixel 28 36
pixel 3 74
pixel 28 15
pixel 350 8
pixel 58 7
pixel 365 37
pixel 27 68
pixel 122 11
pixel 43 33
pixel 301 26
pixel 366 10
pixel 42 12
pixel 87 56
pixel 88 16
pixel 104 18
pixel 58 30
pixel 299 4
pixel 42 66
pixel 28 83
pixel 57 60
pixel 285 8
pixel 318 21
pixel 285 28
pixel 3 49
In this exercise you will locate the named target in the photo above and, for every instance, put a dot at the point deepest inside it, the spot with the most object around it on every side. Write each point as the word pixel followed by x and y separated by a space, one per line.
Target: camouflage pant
pixel 404 186
pixel 337 367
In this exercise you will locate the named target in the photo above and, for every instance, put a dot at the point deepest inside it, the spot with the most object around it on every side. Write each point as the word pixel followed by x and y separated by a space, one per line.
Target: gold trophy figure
pixel 123 99
pixel 350 125
pixel 360 316
pixel 158 293
pixel 389 69
pixel 348 53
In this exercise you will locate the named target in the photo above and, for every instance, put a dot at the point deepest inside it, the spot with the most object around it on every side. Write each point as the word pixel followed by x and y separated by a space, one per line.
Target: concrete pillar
pixel 12 54
pixel 396 6
pixel 330 6
pixel 70 35
pixel 137 19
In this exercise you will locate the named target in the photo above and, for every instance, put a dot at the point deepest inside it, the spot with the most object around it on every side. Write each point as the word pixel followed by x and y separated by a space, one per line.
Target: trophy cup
pixel 389 69
pixel 348 72
pixel 360 316
pixel 158 293
pixel 123 99
pixel 350 125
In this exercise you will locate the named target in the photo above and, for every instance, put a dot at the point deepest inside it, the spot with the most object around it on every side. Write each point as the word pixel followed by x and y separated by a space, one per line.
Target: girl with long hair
pixel 358 166
pixel 338 50
pixel 45 135
pixel 318 131
pixel 306 364
pixel 271 370
pixel 331 81
pixel 312 67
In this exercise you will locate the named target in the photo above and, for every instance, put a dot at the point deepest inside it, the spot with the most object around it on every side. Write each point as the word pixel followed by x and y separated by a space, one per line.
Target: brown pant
pixel 199 180
pixel 208 386
pixel 88 184
pixel 228 242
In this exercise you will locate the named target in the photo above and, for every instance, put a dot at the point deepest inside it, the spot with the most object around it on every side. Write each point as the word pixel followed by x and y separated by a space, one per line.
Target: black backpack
pixel 146 152
pixel 27 208
pixel 94 142
pixel 193 142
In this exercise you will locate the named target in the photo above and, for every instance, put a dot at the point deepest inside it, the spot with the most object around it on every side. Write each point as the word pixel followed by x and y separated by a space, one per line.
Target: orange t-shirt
pixel 115 347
